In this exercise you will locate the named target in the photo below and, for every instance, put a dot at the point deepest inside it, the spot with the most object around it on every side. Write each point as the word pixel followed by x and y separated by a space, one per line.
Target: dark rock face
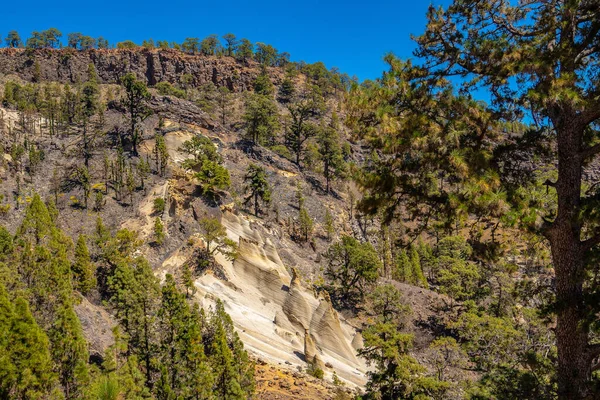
pixel 181 111
pixel 158 65
pixel 267 156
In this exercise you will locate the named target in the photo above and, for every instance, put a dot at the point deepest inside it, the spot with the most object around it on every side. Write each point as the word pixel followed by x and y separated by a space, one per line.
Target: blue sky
pixel 351 35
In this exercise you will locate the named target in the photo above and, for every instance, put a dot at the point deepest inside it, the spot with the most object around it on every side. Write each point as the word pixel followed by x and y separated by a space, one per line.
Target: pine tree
pixel 227 385
pixel 161 155
pixel 105 388
pixel 8 372
pixel 351 267
pixel 69 351
pixel 191 45
pixel 224 103
pixel 52 210
pixel 301 128
pixel 143 170
pixel 417 270
pixel 262 84
pixel 330 150
pixel 83 268
pixel 245 50
pixel 232 43
pixel 261 120
pixel 172 317
pixel 136 95
pixel 535 59
pixel 404 270
pixel 243 371
pixel 257 186
pixel 37 222
pixel 214 233
pixel 131 380
pixel 201 149
pixel 159 231
pixel 286 90
pixel 329 224
pixel 129 184
pixel 188 281
pixel 163 389
pixel 133 292
pixel 89 98
pixel 13 40
pixel 306 224
pixel 212 177
pixel 83 179
pixel 29 353
pixel 394 372
pixel 199 379
pixel 207 162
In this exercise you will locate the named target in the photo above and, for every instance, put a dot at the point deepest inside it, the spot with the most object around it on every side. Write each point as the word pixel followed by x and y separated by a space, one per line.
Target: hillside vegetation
pixel 210 220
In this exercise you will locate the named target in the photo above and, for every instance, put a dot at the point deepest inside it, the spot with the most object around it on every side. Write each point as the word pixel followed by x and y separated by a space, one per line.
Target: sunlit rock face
pixel 152 66
pixel 277 317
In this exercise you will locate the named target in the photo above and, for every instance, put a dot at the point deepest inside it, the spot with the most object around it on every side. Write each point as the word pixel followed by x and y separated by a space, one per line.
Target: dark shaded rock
pixel 267 156
pixel 180 110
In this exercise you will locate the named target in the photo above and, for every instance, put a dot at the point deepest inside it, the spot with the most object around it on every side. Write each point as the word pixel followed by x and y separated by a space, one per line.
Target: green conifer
pixel 404 271
pixel 69 352
pixel 172 317
pixel 8 373
pixel 37 222
pixel 159 231
pixel 227 385
pixel 83 268
pixel 417 272
pixel 29 352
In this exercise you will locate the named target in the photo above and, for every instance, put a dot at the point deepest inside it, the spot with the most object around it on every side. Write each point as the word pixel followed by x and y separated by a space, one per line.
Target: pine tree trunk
pixel 574 365
pixel 86 156
pixel 256 204
pixel 574 361
pixel 326 173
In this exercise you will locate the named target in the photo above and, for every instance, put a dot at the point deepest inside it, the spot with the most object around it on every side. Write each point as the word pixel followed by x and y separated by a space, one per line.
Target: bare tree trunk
pixel 256 204
pixel 568 256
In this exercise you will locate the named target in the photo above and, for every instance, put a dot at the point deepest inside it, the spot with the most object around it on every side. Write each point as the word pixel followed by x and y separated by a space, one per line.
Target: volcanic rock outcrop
pixel 277 317
pixel 156 65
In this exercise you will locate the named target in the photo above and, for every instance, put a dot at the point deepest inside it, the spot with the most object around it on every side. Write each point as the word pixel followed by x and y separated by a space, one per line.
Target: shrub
pixel 315 371
pixel 159 205
pixel 282 151
pixel 166 89
pixel 127 44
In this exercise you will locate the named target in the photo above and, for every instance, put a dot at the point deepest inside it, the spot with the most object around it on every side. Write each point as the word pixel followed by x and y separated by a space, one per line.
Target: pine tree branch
pixel 593 114
pixel 587 245
pixel 590 151
pixel 594 352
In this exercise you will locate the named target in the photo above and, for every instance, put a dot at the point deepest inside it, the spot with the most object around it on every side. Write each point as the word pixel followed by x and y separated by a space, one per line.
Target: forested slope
pixel 209 219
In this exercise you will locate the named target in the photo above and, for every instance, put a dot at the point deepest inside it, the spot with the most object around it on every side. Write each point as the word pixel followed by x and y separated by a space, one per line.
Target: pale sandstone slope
pixel 276 316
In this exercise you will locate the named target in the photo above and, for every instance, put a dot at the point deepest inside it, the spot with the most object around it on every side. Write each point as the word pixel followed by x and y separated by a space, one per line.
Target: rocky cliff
pixel 158 65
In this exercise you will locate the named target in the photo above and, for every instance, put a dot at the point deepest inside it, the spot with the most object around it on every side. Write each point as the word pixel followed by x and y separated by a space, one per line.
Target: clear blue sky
pixel 352 35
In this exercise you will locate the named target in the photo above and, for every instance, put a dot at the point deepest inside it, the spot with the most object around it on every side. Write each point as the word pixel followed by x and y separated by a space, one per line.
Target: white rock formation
pixel 277 318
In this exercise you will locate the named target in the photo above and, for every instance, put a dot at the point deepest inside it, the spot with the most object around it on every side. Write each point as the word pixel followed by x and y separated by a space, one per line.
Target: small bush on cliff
pixel 158 206
pixel 127 44
pixel 166 89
